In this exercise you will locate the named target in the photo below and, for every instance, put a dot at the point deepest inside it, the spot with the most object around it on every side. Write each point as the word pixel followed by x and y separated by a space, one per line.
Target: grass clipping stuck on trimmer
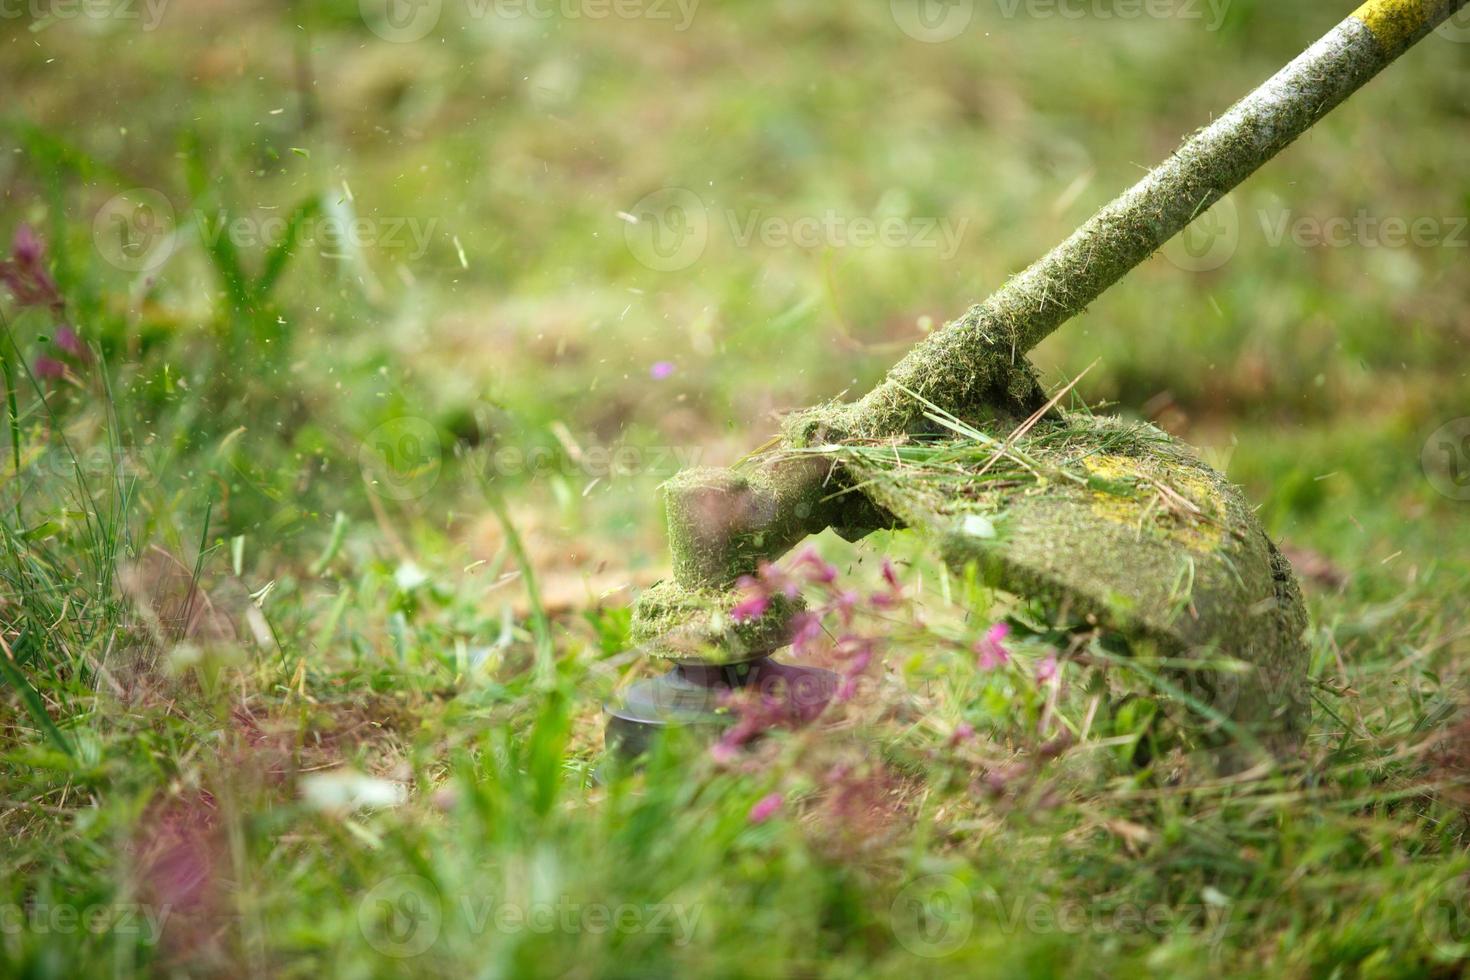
pixel 1106 524
pixel 1116 526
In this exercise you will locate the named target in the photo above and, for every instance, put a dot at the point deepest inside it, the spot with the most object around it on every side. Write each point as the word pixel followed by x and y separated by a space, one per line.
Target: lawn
pixel 347 346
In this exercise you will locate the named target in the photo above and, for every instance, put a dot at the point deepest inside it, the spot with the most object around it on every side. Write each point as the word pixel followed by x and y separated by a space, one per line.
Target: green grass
pixel 314 506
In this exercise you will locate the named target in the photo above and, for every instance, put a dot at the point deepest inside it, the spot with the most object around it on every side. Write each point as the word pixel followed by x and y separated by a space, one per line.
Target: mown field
pixel 347 346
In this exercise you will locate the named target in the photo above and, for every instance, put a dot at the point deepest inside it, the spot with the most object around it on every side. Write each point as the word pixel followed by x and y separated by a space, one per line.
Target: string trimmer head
pixel 1108 525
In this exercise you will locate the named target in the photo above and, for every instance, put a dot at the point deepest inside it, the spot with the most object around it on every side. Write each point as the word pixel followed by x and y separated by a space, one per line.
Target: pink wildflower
pixel 815 569
pixel 660 370
pixel 991 647
pixel 1047 669
pixel 845 604
pixel 49 368
pixel 26 247
pixel 68 342
pixel 806 631
pixel 765 808
pixel 963 732
pixel 751 607
pixel 759 590
pixel 757 715
pixel 24 273
pixel 774 580
pixel 856 650
pixel 858 653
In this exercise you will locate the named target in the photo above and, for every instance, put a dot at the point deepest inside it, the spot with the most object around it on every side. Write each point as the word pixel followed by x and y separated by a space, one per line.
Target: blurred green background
pixel 495 162
pixel 348 271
